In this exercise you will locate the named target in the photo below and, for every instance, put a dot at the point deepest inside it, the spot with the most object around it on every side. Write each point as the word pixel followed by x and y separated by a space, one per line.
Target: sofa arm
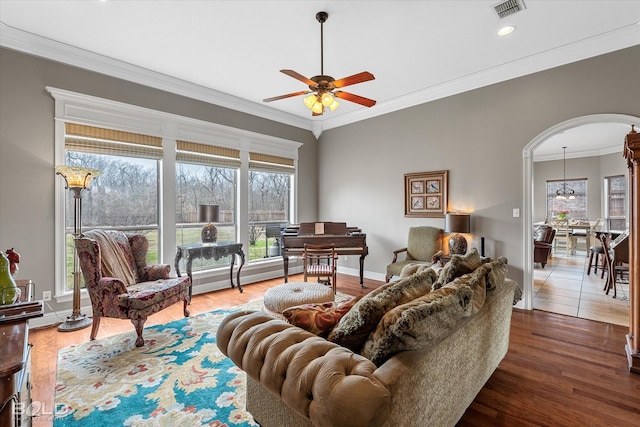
pixel 325 383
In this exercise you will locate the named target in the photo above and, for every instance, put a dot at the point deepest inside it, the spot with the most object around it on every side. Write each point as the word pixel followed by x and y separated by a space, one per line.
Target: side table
pixel 216 251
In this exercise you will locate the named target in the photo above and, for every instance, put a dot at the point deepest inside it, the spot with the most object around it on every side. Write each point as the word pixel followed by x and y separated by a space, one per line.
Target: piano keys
pixel 347 241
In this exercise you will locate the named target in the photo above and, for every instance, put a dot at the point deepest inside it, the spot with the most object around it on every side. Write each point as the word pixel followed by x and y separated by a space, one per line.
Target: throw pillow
pixel 497 271
pixel 414 268
pixel 418 324
pixel 319 318
pixel 354 328
pixel 457 266
pixel 477 282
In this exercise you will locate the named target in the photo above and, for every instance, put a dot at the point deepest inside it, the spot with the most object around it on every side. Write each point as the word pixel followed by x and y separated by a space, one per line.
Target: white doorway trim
pixel 527 185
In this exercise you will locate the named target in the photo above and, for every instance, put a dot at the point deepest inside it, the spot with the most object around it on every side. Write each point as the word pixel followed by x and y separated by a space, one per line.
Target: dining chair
pixel 616 254
pixel 563 235
pixel 320 261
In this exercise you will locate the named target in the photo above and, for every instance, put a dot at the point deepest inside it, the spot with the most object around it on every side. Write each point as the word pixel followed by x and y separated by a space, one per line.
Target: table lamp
pixel 209 214
pixel 457 223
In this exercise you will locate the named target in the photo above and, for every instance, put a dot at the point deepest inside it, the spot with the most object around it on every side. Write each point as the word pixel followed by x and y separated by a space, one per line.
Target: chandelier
pixel 565 192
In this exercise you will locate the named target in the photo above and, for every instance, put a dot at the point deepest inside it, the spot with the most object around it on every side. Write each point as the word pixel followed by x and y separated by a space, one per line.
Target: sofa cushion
pixel 354 328
pixel 457 266
pixel 319 318
pixel 418 324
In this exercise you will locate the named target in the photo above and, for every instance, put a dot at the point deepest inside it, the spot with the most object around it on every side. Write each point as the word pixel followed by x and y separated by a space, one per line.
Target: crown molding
pixel 26 42
pixel 32 44
pixel 618 39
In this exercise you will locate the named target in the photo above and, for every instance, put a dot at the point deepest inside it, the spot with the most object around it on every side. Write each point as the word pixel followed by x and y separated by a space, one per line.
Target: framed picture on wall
pixel 425 194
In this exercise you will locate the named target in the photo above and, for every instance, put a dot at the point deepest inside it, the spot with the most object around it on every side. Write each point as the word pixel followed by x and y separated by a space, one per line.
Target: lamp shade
pixel 457 223
pixel 208 213
pixel 76 176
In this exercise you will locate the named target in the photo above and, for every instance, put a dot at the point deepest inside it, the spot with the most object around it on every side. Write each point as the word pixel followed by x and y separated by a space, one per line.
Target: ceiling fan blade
pixel 355 98
pixel 364 76
pixel 300 77
pixel 289 95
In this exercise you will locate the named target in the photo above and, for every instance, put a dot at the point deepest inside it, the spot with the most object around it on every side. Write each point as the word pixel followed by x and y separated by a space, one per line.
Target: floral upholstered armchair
pixel 423 243
pixel 121 284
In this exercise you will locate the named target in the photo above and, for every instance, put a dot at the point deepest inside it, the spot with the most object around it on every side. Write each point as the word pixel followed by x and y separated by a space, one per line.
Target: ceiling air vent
pixel 508 7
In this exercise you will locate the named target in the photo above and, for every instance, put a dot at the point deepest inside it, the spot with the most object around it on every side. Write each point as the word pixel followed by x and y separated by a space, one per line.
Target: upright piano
pixel 347 241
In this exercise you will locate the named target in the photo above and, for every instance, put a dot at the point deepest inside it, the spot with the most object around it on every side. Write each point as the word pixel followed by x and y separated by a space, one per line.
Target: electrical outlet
pixel 516 213
pixel 46 296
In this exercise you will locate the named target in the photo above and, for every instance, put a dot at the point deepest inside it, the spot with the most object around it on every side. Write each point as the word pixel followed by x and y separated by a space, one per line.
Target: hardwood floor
pixel 559 371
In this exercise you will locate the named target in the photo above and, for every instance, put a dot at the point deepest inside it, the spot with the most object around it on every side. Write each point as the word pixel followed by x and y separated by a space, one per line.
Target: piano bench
pixel 281 297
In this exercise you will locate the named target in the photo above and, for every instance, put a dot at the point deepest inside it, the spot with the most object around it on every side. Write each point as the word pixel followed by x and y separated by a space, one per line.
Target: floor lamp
pixel 76 179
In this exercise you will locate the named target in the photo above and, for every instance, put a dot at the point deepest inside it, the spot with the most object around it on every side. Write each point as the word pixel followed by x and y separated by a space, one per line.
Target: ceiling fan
pixel 322 86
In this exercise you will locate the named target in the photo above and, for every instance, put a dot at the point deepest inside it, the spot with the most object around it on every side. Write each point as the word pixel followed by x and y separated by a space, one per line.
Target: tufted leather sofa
pixel 295 378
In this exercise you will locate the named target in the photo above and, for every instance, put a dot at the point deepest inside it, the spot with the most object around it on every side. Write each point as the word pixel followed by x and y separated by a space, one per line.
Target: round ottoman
pixel 281 297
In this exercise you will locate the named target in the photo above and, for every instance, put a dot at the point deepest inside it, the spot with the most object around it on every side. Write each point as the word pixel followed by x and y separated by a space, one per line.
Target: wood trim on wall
pixel 632 155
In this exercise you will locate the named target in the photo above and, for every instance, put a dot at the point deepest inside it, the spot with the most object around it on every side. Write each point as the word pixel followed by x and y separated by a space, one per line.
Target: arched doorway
pixel 527 156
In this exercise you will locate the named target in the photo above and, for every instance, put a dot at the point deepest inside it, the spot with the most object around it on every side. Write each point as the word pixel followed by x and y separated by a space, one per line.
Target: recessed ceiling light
pixel 506 30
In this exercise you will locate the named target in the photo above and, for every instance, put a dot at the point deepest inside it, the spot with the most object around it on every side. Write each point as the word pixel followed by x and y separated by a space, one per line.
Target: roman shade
pixel 209 155
pixel 90 139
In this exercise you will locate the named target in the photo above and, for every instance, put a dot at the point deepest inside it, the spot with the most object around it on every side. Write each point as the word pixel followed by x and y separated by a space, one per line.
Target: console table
pixel 216 251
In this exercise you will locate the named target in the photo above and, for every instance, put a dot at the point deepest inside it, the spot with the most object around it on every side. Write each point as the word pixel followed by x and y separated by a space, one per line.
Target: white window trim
pixel 93 111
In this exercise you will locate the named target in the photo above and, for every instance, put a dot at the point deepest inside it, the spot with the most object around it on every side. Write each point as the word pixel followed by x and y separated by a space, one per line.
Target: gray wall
pixel 479 136
pixel 27 150
pixel 595 169
pixel 355 172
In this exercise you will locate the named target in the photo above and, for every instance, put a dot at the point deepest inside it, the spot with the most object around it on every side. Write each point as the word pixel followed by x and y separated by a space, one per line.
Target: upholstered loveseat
pixel 428 353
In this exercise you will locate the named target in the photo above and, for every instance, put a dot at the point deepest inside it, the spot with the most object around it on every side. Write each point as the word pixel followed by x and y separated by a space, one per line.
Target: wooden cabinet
pixel 15 384
pixel 15 357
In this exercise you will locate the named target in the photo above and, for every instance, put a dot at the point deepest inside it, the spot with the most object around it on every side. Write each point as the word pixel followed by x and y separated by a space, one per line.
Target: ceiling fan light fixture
pixel 310 100
pixel 317 108
pixel 322 86
pixel 327 99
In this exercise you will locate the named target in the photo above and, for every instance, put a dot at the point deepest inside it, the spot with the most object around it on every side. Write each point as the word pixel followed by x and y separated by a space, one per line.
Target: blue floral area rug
pixel 178 378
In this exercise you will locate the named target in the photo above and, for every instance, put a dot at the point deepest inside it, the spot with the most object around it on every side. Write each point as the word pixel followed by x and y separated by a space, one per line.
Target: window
pixel 576 208
pixel 615 202
pixel 205 175
pixel 269 201
pixel 137 150
pixel 124 196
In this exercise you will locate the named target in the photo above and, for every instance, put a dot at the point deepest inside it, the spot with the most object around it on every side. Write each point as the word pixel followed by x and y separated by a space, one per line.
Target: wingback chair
pixel 121 284
pixel 423 243
pixel 543 235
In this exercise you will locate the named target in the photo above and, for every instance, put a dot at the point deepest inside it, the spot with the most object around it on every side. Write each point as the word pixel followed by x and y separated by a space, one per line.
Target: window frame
pixel 549 196
pixel 607 201
pixel 99 112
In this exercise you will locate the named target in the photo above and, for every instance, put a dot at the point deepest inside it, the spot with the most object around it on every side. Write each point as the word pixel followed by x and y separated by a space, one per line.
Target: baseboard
pixel 632 357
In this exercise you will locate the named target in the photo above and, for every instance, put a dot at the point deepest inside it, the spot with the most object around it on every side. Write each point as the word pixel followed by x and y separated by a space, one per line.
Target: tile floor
pixel 564 287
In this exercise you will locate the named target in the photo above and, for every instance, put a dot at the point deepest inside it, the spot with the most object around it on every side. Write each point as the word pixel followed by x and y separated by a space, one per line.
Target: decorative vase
pixel 9 291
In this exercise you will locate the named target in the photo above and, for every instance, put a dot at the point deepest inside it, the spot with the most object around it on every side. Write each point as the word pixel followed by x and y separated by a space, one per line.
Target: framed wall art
pixel 425 194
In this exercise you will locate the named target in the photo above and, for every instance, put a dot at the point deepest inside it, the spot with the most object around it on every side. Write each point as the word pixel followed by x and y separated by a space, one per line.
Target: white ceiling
pixel 230 52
